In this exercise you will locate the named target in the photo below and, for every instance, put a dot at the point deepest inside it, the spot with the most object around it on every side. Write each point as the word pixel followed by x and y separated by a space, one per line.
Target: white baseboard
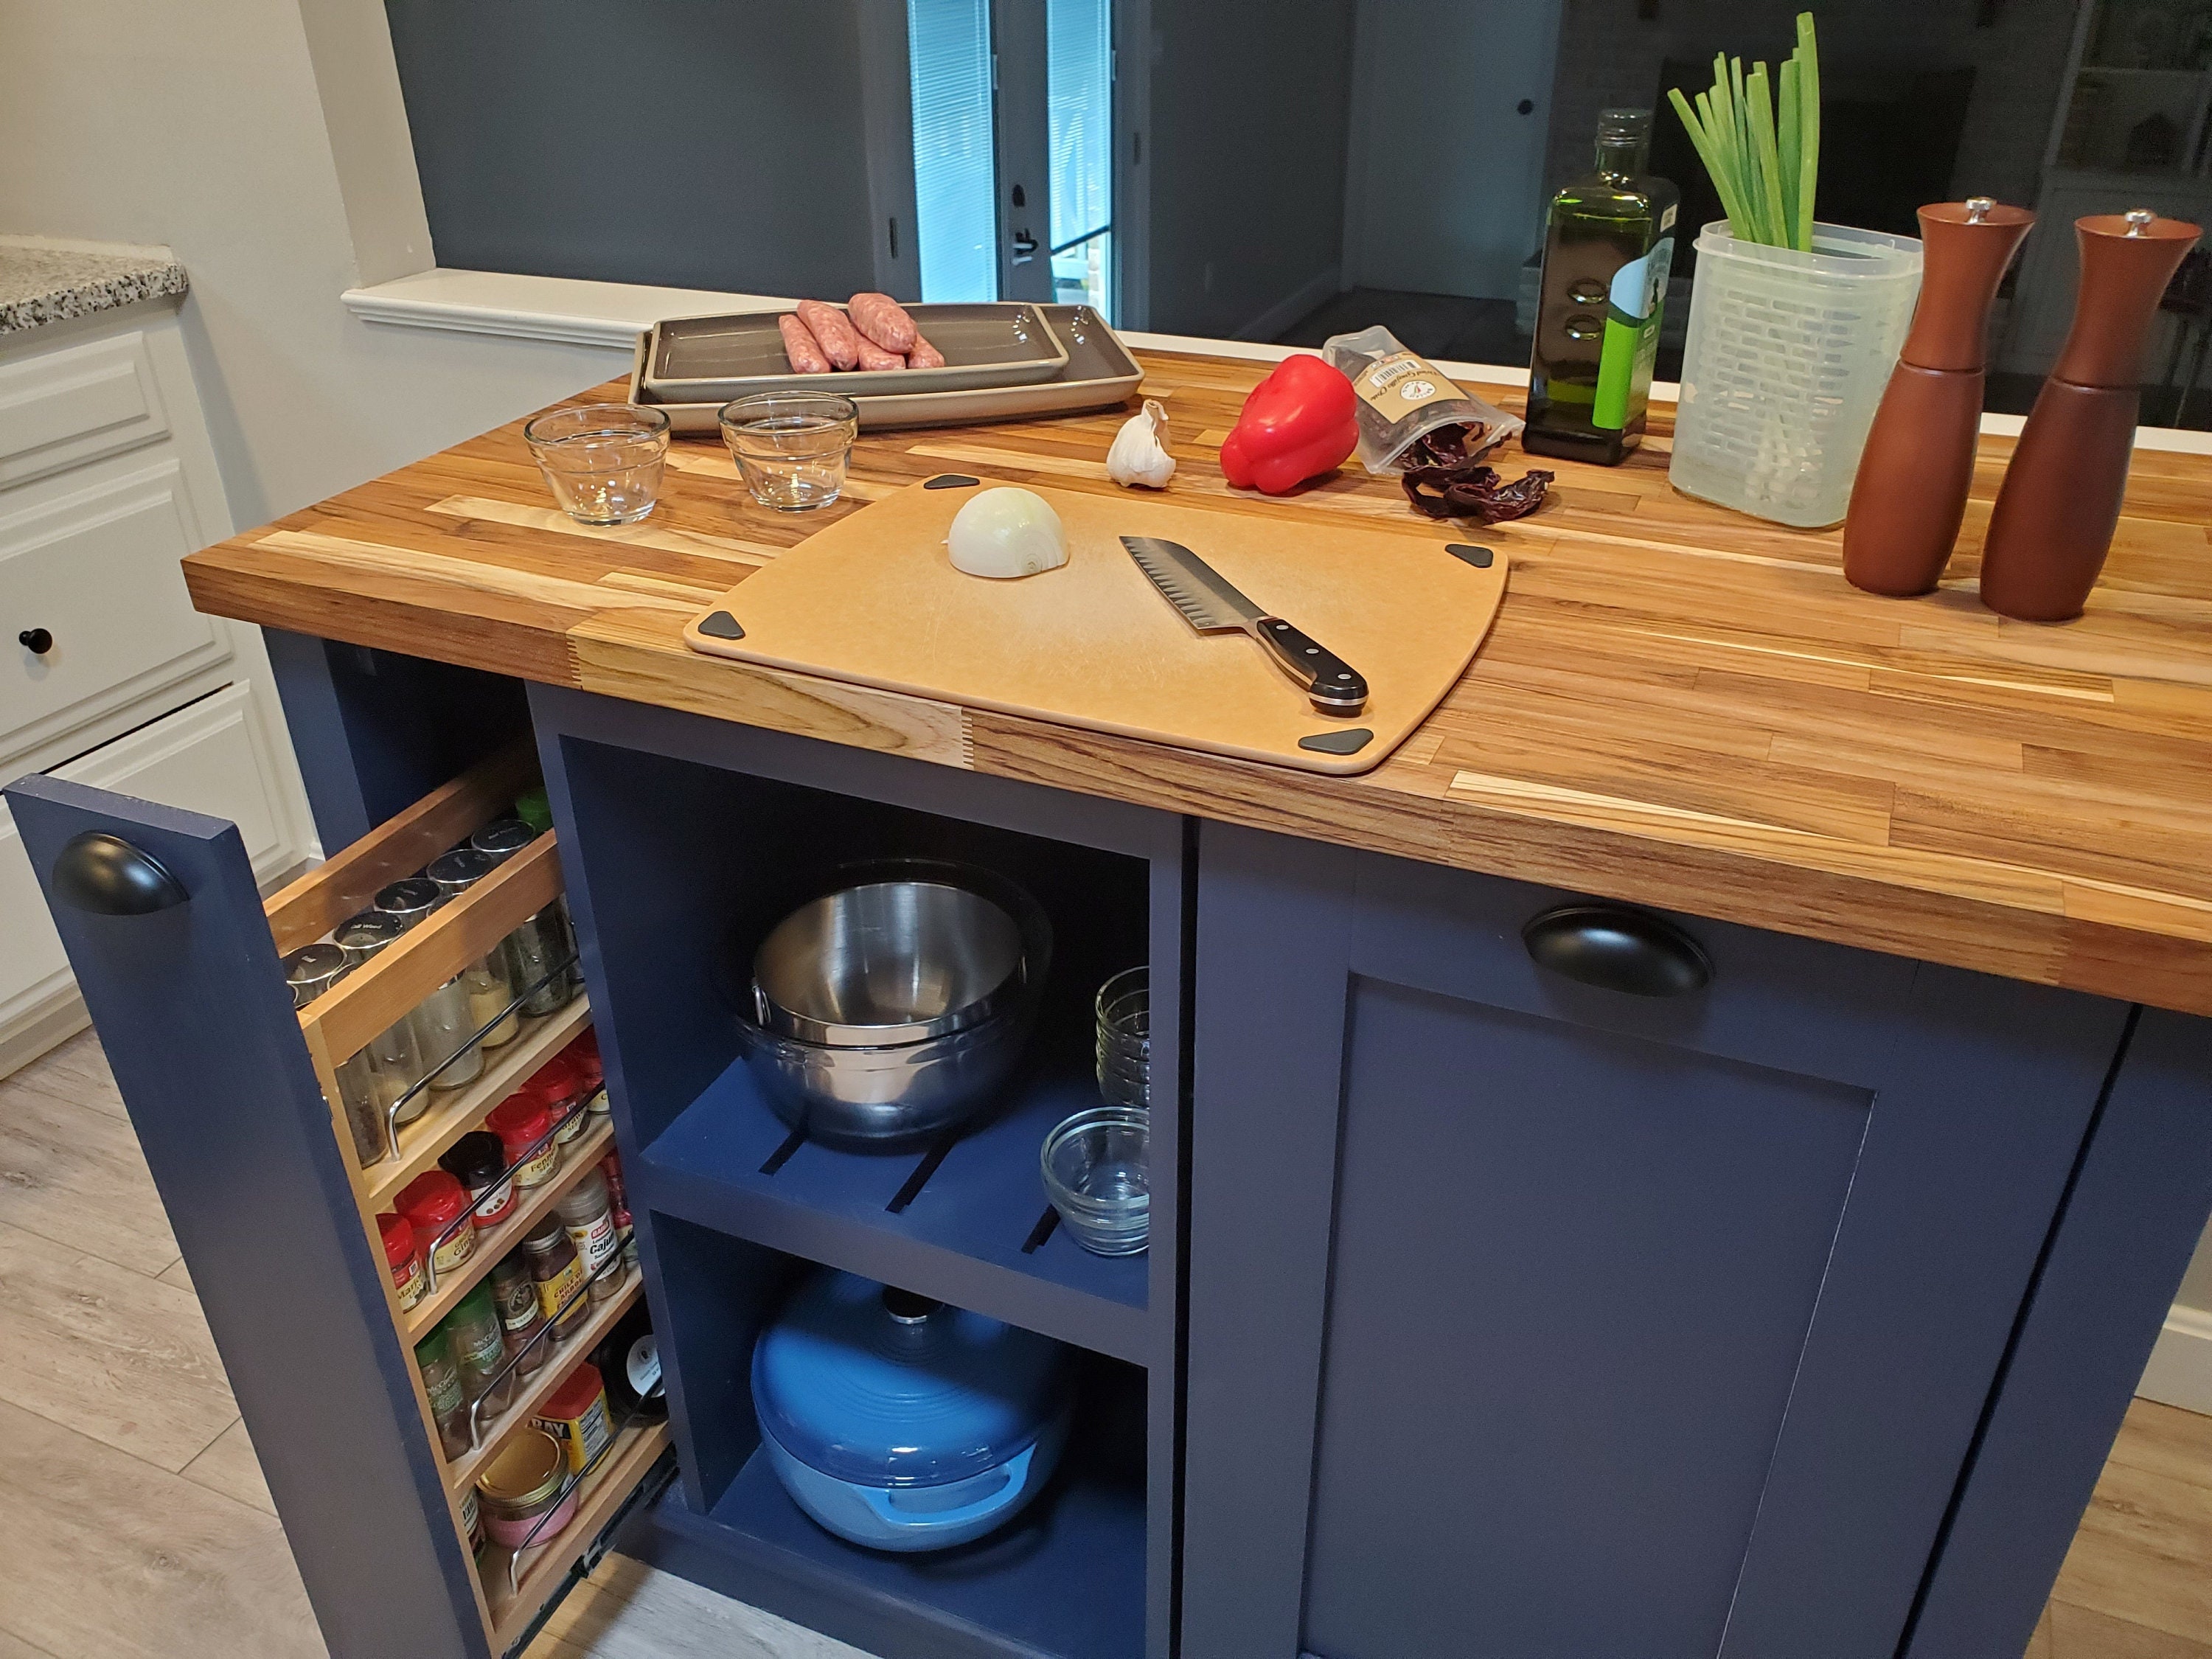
pixel 2180 1369
pixel 1321 286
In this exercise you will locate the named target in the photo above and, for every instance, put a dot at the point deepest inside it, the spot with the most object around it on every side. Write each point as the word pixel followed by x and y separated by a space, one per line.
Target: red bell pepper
pixel 1298 423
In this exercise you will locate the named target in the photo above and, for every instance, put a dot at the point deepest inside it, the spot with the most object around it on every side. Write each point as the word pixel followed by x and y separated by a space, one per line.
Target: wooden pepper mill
pixel 1911 491
pixel 2061 498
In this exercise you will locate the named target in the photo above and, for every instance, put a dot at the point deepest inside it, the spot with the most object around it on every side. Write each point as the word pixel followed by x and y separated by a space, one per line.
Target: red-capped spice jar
pixel 433 1202
pixel 525 1130
pixel 559 1086
pixel 404 1256
pixel 584 1054
pixel 479 1161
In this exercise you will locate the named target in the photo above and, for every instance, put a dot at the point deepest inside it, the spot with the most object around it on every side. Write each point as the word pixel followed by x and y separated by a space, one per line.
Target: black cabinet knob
pixel 1526 107
pixel 1617 948
pixel 36 641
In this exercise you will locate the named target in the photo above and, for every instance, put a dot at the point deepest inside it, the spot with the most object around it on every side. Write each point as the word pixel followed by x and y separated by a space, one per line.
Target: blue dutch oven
pixel 903 1423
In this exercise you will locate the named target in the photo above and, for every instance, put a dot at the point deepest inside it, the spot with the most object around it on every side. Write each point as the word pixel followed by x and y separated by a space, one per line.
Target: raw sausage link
pixel 924 355
pixel 834 334
pixel 800 348
pixel 874 356
pixel 883 319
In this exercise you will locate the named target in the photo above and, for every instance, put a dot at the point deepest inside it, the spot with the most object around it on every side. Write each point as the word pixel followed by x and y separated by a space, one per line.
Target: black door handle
pixel 36 641
pixel 1615 948
pixel 1025 247
pixel 105 875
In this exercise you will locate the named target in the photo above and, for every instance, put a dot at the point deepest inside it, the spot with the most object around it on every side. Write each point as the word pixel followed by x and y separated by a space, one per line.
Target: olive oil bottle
pixel 1606 251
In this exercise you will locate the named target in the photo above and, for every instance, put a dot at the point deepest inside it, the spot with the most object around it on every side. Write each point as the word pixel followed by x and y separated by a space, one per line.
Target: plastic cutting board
pixel 873 599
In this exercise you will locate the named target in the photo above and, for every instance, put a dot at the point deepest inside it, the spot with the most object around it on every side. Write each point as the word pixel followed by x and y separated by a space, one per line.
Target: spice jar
pixel 584 1054
pixel 587 1217
pixel 575 1414
pixel 436 1205
pixel 442 1382
pixel 490 979
pixel 443 1021
pixel 555 1082
pixel 528 1495
pixel 558 1272
pixel 308 972
pixel 541 944
pixel 525 1130
pixel 472 1521
pixel 480 1350
pixel 391 1062
pixel 479 1161
pixel 404 1256
pixel 516 1293
pixel 618 1196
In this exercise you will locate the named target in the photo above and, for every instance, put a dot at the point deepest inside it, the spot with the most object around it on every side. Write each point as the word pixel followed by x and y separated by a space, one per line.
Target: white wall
pixel 201 125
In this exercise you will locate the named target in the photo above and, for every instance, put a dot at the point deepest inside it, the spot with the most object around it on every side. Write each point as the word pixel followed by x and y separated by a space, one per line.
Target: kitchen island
pixel 1503 1308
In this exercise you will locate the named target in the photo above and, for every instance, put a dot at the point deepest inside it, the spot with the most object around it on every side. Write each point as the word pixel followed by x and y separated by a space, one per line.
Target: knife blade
pixel 1212 606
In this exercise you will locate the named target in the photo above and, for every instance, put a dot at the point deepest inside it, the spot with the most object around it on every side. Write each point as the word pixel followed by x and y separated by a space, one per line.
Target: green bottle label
pixel 1631 337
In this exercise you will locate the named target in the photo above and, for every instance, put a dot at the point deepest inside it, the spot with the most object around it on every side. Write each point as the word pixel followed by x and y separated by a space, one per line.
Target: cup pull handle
pixel 1615 948
pixel 105 875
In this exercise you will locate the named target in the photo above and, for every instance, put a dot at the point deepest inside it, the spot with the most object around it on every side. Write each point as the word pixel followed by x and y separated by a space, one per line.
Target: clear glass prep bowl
pixel 1096 1174
pixel 792 448
pixel 602 461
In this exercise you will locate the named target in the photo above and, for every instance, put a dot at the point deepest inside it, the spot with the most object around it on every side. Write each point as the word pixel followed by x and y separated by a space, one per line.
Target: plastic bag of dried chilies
pixel 1446 478
pixel 1402 399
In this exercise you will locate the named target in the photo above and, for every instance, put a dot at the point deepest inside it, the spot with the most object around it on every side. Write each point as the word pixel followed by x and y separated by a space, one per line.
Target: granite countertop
pixel 44 282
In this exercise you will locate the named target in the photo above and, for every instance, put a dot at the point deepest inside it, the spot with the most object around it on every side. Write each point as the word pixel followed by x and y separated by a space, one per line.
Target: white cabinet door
pixel 211 757
pixel 95 577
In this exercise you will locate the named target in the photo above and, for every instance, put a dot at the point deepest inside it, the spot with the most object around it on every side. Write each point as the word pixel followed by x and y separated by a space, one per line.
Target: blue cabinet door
pixel 1530 1317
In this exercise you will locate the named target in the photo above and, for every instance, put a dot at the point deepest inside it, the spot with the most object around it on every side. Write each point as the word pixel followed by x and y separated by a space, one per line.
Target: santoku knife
pixel 1212 607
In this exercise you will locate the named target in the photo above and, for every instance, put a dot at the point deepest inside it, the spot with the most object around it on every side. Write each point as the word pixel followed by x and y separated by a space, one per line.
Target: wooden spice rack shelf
pixel 602 1492
pixel 535 1390
pixel 506 1067
pixel 531 1207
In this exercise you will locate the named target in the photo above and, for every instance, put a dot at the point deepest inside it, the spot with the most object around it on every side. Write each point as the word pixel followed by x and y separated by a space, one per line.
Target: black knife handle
pixel 1333 684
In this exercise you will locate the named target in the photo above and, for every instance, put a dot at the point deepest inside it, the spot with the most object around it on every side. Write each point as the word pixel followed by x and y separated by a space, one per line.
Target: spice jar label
pixel 553 1293
pixel 1400 383
pixel 596 1241
pixel 409 1280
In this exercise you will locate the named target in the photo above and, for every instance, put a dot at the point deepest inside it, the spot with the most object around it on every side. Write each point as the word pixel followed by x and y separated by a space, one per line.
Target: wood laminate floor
pixel 135 1524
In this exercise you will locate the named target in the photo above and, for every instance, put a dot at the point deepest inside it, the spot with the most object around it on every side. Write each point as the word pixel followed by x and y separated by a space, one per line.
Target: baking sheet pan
pixel 715 359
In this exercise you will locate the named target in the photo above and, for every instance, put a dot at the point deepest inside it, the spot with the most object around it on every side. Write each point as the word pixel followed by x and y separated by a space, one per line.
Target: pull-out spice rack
pixel 246 1097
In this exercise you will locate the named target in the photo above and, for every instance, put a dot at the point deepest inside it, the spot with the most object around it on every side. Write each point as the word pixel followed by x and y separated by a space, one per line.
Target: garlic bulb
pixel 1006 532
pixel 1140 455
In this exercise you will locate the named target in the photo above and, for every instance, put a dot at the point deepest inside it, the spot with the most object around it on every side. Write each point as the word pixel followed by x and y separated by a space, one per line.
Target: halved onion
pixel 1006 532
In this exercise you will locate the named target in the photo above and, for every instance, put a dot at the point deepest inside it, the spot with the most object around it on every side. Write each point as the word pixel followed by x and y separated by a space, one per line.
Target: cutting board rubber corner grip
pixel 951 481
pixel 720 625
pixel 1093 645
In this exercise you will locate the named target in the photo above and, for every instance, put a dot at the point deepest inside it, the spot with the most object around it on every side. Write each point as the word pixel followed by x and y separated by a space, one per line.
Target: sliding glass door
pixel 1013 149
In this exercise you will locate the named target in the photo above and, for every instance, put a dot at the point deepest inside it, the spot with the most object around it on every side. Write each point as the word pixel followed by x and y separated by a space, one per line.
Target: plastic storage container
pixel 1787 356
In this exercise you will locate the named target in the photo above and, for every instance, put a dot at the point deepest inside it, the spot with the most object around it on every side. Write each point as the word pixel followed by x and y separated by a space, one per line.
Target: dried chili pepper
pixel 1468 489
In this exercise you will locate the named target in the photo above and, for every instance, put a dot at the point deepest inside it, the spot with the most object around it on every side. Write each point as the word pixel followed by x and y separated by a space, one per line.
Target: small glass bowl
pixel 792 448
pixel 1097 1176
pixel 1123 1016
pixel 602 461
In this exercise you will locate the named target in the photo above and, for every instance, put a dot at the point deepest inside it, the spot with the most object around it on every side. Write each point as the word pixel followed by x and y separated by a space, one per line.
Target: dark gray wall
pixel 1247 138
pixel 700 143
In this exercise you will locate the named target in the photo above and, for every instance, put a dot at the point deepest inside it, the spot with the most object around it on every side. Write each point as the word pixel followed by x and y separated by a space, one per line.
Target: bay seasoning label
pixel 1396 385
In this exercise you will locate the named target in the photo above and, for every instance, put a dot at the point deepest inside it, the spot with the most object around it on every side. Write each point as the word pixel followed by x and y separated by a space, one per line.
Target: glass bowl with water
pixel 792 448
pixel 1097 1176
pixel 602 461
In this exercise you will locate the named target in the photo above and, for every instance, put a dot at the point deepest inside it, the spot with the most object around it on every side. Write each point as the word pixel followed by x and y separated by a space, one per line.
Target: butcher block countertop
pixel 1678 705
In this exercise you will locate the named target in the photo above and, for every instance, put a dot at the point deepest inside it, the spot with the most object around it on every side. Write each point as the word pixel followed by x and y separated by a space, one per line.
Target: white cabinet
pixel 107 675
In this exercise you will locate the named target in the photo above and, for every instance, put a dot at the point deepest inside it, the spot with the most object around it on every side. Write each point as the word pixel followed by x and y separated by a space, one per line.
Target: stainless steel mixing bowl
pixel 953 923
pixel 887 963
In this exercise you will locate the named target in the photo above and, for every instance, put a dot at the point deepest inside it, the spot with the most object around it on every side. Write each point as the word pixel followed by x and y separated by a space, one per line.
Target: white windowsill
pixel 612 315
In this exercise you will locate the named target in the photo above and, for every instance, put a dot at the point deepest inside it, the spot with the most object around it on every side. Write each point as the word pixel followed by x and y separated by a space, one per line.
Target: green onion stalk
pixel 1759 137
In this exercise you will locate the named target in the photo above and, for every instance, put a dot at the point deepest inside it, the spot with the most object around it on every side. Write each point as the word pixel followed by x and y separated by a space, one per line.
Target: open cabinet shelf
pixel 975 1229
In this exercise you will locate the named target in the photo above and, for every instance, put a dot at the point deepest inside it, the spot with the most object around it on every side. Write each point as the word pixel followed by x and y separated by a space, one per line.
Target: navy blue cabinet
pixel 1533 1316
